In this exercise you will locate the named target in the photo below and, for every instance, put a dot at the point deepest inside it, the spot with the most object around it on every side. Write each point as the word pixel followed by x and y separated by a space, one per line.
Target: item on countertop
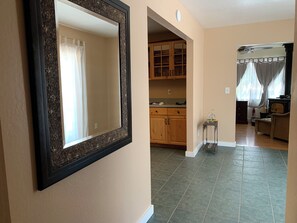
pixel 181 103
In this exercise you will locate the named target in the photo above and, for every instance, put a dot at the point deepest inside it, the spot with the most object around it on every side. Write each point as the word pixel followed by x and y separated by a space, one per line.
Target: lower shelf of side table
pixel 210 147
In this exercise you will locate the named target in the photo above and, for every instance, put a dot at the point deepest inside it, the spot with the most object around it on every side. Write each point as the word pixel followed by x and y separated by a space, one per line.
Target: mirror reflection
pixel 89 73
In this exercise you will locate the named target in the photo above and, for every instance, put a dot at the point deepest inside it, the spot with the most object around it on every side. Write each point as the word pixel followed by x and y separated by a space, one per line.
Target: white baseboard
pixel 147 214
pixel 227 144
pixel 196 150
pixel 199 146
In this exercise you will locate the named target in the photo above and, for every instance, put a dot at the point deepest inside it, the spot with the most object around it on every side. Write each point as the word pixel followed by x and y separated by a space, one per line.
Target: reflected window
pixel 74 93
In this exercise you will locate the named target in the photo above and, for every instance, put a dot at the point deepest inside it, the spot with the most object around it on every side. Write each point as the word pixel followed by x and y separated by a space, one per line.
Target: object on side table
pixel 210 145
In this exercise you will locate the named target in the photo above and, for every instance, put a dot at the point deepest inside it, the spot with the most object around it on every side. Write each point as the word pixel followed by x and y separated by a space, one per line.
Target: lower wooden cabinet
pixel 158 129
pixel 168 126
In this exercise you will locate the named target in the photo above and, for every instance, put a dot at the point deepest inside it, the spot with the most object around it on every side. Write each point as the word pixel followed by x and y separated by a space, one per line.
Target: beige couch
pixel 277 126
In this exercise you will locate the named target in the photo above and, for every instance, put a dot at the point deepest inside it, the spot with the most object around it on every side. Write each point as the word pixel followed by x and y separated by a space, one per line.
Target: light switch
pixel 227 90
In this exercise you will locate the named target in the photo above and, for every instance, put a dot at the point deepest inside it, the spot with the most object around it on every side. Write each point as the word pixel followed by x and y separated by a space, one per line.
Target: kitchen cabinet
pixel 168 126
pixel 167 60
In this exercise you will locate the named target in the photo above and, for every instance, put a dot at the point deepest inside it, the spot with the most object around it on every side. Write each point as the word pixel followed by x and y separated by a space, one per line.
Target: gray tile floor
pixel 241 184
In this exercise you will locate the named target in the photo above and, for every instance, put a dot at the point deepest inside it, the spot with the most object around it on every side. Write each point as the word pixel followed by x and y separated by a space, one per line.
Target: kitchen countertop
pixel 168 103
pixel 168 106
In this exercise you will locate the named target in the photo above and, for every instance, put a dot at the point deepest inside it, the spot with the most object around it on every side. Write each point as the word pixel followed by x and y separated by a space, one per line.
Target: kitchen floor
pixel 242 184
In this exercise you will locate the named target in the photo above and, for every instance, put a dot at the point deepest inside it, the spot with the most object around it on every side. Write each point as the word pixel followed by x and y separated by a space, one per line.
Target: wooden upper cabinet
pixel 167 60
pixel 180 59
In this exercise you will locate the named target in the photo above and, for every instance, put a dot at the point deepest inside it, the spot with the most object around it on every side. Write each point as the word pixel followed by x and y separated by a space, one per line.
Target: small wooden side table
pixel 210 145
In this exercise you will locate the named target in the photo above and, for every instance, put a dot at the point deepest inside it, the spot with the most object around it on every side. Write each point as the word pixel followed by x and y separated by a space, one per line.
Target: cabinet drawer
pixel 176 111
pixel 158 111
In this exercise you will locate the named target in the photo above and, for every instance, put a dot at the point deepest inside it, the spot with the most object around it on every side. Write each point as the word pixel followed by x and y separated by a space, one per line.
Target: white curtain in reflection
pixel 74 93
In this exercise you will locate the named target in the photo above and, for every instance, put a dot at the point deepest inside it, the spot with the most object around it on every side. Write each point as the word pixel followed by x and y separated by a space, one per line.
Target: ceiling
pixel 213 13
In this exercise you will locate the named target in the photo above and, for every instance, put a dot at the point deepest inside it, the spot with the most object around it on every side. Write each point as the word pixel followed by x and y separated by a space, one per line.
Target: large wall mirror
pixel 79 54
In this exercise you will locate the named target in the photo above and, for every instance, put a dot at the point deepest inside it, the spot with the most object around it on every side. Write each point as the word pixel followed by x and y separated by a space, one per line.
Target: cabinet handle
pixel 156 111
pixel 178 112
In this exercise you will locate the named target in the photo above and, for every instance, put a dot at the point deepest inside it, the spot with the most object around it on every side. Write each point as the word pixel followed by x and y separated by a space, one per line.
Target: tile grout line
pixel 243 147
pixel 166 181
pixel 213 190
pixel 284 160
pixel 169 176
pixel 185 191
pixel 273 219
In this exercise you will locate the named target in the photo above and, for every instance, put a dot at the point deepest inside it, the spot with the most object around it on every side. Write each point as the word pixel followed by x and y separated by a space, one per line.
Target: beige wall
pixel 102 79
pixel 113 83
pixel 220 66
pixel 159 88
pixel 291 206
pixel 117 187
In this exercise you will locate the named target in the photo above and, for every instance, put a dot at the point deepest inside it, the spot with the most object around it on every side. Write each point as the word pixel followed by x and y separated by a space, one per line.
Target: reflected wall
pixel 102 79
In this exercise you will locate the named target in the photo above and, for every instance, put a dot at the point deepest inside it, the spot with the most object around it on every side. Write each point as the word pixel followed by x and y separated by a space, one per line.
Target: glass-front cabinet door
pixel 167 60
pixel 161 55
pixel 180 59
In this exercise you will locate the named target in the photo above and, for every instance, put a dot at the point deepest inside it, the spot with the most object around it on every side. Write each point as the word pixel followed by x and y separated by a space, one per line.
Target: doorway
pixel 262 76
pixel 167 64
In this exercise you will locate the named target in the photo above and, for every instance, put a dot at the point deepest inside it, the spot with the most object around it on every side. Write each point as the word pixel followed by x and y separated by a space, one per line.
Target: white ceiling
pixel 219 13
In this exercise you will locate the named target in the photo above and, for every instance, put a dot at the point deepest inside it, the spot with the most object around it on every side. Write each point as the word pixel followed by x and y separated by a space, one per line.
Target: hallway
pixel 235 185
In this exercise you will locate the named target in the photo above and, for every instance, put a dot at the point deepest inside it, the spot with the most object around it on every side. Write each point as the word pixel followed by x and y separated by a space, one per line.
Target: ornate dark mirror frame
pixel 53 162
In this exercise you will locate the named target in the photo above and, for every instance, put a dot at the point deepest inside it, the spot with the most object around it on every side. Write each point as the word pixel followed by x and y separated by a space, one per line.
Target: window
pixel 277 85
pixel 73 82
pixel 249 88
